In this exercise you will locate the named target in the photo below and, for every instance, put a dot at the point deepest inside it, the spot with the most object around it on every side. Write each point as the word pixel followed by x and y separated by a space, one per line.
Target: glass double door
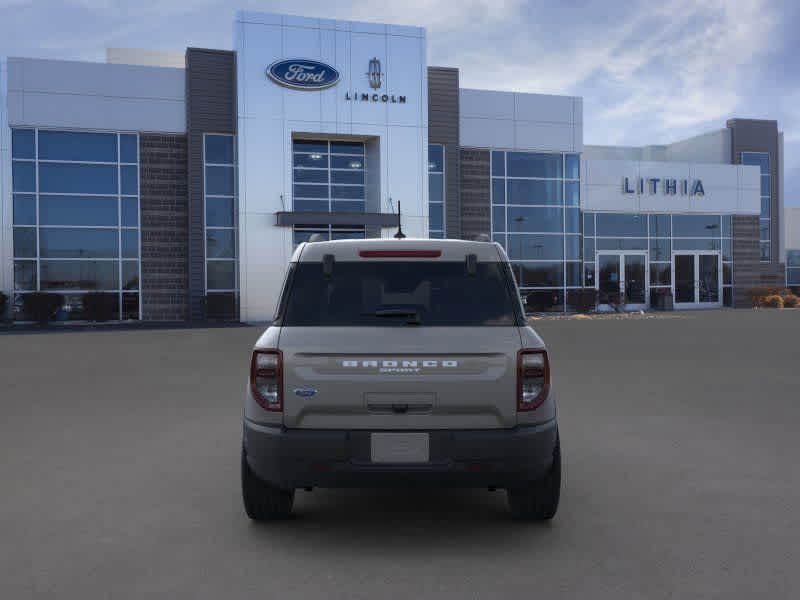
pixel 697 279
pixel 622 279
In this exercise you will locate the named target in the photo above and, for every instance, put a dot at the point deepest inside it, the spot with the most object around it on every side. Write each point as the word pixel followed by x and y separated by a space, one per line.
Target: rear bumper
pixel 293 458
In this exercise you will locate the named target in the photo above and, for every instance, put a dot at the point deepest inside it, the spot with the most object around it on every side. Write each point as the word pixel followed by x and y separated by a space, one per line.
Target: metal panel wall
pixel 443 128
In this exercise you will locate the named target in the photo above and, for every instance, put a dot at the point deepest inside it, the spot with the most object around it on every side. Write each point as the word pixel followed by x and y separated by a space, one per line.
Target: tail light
pixel 533 379
pixel 266 379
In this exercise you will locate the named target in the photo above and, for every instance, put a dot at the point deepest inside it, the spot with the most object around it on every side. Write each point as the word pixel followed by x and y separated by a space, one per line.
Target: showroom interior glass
pixel 76 218
pixel 222 281
pixel 761 160
pixel 793 269
pixel 436 191
pixel 536 218
pixel 660 236
pixel 328 176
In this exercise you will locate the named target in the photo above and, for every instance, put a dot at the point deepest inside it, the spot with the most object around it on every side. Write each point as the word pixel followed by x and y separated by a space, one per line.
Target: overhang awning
pixel 287 219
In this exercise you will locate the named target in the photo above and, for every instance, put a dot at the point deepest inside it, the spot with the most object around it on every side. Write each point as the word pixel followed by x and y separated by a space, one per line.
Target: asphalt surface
pixel 119 457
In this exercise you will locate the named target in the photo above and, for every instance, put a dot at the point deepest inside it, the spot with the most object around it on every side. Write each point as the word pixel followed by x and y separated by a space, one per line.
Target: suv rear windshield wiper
pixel 412 315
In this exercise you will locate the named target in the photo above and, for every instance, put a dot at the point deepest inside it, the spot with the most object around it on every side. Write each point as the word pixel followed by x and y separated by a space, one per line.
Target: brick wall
pixel 165 227
pixel 475 196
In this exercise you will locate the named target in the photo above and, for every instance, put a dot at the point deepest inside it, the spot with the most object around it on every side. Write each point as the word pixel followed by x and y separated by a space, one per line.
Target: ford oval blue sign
pixel 303 74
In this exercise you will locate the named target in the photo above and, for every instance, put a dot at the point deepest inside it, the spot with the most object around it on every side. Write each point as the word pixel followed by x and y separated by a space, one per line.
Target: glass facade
pixel 328 176
pixel 436 192
pixel 793 269
pixel 76 218
pixel 536 218
pixel 761 160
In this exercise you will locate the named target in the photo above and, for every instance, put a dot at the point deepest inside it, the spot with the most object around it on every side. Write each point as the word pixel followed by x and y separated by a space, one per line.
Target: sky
pixel 649 72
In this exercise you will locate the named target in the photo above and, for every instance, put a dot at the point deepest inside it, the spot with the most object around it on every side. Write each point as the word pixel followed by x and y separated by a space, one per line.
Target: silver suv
pixel 400 363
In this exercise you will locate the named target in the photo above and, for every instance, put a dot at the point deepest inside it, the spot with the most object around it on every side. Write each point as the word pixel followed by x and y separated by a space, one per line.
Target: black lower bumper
pixel 294 458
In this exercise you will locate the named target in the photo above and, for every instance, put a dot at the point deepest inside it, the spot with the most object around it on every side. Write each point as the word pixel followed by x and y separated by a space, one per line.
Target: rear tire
pixel 538 501
pixel 263 502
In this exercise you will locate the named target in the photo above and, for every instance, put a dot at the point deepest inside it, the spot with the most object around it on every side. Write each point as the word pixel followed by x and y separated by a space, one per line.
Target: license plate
pixel 400 447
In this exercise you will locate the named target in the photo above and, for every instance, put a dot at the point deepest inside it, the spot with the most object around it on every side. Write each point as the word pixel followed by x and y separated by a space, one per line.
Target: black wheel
pixel 263 502
pixel 538 501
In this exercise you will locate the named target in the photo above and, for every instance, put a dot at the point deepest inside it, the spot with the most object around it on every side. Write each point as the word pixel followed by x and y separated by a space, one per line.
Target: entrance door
pixel 622 280
pixel 697 279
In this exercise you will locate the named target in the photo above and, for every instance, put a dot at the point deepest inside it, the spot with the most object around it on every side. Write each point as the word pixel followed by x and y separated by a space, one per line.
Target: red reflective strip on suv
pixel 400 253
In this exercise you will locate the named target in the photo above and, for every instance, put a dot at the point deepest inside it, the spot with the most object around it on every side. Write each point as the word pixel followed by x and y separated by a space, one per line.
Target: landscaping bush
pixel 99 306
pixel 3 306
pixel 758 295
pixel 773 301
pixel 790 301
pixel 42 306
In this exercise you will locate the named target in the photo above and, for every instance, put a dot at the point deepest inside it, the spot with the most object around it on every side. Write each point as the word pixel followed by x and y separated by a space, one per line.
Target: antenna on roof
pixel 399 235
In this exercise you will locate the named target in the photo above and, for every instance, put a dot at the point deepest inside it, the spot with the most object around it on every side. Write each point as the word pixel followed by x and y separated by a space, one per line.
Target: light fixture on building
pixel 355 164
pixel 316 156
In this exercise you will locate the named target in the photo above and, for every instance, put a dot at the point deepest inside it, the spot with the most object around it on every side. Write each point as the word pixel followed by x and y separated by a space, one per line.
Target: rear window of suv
pixel 432 294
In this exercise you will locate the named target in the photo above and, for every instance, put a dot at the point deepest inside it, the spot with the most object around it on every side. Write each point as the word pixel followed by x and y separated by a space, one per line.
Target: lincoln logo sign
pixel 670 187
pixel 302 74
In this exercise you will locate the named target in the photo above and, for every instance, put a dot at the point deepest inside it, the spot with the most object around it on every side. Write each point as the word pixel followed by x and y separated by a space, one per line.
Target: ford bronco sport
pixel 400 363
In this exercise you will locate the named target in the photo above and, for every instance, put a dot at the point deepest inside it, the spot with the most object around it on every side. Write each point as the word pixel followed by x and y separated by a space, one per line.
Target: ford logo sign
pixel 305 392
pixel 303 74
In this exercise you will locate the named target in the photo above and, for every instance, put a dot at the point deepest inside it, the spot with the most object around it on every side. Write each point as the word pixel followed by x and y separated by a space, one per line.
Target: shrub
pixel 790 301
pixel 773 301
pixel 41 306
pixel 99 306
pixel 3 306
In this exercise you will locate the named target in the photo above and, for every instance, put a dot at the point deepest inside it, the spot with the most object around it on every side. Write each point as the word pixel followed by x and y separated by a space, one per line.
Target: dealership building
pixel 182 183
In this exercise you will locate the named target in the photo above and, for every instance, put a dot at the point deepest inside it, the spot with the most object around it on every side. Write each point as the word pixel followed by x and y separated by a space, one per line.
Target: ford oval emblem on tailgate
pixel 305 392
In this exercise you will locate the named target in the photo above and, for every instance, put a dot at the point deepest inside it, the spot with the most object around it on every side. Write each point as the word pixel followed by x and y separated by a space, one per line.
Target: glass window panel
pixel 25 275
pixel 766 251
pixel 358 177
pixel 535 247
pixel 765 208
pixel 347 148
pixel 79 275
pixel 727 273
pixel 500 239
pixel 498 191
pixel 129 183
pixel 130 243
pixel 130 212
pixel 660 249
pixel 727 249
pixel 220 243
pixel 315 161
pixel 436 187
pixel 342 162
pixel 77 210
pixel 621 244
pixel 128 148
pixel 436 235
pixel 622 225
pixel 727 226
pixel 78 243
pixel 660 274
pixel 498 163
pixel 696 225
pixel 219 149
pixel 573 166
pixel 573 274
pixel 759 159
pixel 727 297
pixel 498 218
pixel 436 216
pixel 348 206
pixel 221 274
pixel 311 205
pixel 24 209
pixel 588 274
pixel 572 220
pixel 23 143
pixel 77 145
pixel 543 220
pixel 77 179
pixel 660 226
pixel 130 274
pixel 25 242
pixel 219 212
pixel 543 300
pixel 310 191
pixel 572 191
pixel 532 164
pixel 542 274
pixel 435 158
pixel 23 176
pixel 311 175
pixel 347 192
pixel 219 181
pixel 130 307
pixel 793 258
pixel 588 224
pixel 763 229
pixel 310 146
pixel 793 277
pixel 527 191
pixel 765 185
pixel 572 246
pixel 303 235
pixel 588 249
pixel 347 235
pixel 695 244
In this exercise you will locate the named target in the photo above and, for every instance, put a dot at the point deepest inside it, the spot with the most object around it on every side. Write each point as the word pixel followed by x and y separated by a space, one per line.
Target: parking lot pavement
pixel 119 467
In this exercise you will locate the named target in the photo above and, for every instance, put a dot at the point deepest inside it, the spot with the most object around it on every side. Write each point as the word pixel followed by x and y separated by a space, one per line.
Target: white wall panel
pixel 486 133
pixel 539 135
pixel 407 80
pixel 6 205
pixel 363 47
pixel 541 107
pixel 486 104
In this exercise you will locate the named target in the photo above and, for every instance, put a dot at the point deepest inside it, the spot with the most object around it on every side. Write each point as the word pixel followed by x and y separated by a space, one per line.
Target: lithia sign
pixel 669 187
pixel 306 74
